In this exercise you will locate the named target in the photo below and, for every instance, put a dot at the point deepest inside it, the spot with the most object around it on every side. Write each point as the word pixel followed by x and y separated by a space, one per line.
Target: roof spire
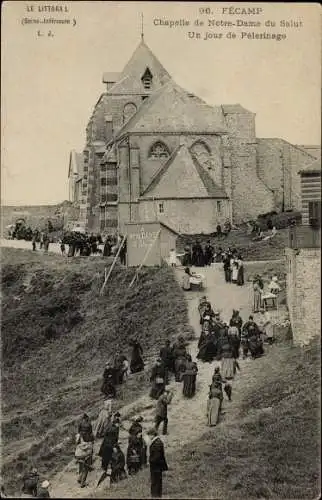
pixel 142 31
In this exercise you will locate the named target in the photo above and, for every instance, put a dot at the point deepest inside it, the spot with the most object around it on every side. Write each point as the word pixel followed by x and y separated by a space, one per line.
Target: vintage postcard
pixel 160 234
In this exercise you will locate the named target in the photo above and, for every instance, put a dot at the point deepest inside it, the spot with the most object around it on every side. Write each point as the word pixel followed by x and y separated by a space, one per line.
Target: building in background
pixel 155 151
pixel 311 194
pixel 304 260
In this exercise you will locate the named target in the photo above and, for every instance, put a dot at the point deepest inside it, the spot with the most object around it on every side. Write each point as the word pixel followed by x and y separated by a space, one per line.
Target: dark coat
pixel 110 439
pixel 85 429
pixel 250 328
pixel 137 363
pixel 236 321
pixel 157 458
pixel 166 355
pixel 158 370
pixel 135 429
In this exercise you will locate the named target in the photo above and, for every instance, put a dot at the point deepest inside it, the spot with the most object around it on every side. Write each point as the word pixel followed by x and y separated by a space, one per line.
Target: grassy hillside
pixel 269 450
pixel 57 334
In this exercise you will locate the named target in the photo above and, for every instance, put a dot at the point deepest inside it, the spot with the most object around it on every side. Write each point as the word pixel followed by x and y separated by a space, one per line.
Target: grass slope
pixel 57 333
pixel 269 450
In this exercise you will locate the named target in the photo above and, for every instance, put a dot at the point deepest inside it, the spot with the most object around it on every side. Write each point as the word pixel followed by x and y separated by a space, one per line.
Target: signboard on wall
pixel 140 238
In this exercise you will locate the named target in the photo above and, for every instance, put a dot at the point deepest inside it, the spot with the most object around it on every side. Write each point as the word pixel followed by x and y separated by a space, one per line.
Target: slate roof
pixel 129 81
pixel 278 142
pixel 234 108
pixel 181 165
pixel 313 150
pixel 213 190
pixel 312 167
pixel 173 109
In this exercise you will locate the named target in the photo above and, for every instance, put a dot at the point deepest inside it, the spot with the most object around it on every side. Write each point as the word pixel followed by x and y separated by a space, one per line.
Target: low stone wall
pixel 303 285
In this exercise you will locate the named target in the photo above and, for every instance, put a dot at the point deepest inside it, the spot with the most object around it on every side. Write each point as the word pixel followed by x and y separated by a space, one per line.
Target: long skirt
pixel 227 275
pixel 227 368
pixel 179 368
pixel 189 385
pixel 257 301
pixel 213 409
pixel 137 364
pixel 234 275
pixel 240 276
pixel 207 351
pixel 256 347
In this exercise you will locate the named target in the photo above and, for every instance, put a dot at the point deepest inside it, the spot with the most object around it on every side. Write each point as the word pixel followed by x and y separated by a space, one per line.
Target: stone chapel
pixel 155 151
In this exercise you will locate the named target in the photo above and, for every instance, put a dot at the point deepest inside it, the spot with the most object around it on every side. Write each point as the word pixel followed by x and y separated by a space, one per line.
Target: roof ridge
pixel 144 106
pixel 162 170
pixel 117 83
pixel 204 176
pixel 296 146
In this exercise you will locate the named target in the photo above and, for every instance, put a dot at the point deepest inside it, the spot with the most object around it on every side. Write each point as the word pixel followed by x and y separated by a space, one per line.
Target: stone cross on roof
pixel 142 29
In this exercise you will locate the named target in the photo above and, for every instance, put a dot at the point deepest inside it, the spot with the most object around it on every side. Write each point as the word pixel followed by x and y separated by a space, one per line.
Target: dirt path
pixel 186 417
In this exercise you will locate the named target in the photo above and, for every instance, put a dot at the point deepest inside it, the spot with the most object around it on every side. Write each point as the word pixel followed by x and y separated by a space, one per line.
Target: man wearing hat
pixel 43 490
pixel 157 462
pixel 162 410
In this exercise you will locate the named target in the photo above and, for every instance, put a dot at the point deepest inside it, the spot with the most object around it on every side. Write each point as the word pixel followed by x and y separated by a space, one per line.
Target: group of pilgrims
pixel 173 361
pixel 218 341
pixel 231 259
pixel 223 342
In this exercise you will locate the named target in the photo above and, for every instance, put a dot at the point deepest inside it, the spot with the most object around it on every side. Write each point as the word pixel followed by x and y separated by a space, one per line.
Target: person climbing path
pixel 186 416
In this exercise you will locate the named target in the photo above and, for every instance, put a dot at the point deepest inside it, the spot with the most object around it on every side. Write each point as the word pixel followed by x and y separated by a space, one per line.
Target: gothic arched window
pixel 159 150
pixel 128 111
pixel 202 152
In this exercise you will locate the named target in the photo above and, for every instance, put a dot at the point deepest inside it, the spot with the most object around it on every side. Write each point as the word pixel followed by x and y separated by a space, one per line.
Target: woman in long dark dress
pixel 236 320
pixel 208 348
pixel 255 344
pixel 214 403
pixel 197 255
pixel 227 271
pixel 133 455
pixel 135 434
pixel 158 379
pixel 208 254
pixel 110 441
pixel 179 351
pixel 117 465
pixel 108 388
pixel 234 340
pixel 137 363
pixel 240 273
pixel 189 378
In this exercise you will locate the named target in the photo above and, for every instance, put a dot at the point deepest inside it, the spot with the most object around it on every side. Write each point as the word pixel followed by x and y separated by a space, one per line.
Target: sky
pixel 50 84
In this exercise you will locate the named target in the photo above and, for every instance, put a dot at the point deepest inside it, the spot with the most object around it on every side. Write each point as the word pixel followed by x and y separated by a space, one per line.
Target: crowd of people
pixel 220 341
pixel 173 361
pixel 232 260
pixel 75 243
